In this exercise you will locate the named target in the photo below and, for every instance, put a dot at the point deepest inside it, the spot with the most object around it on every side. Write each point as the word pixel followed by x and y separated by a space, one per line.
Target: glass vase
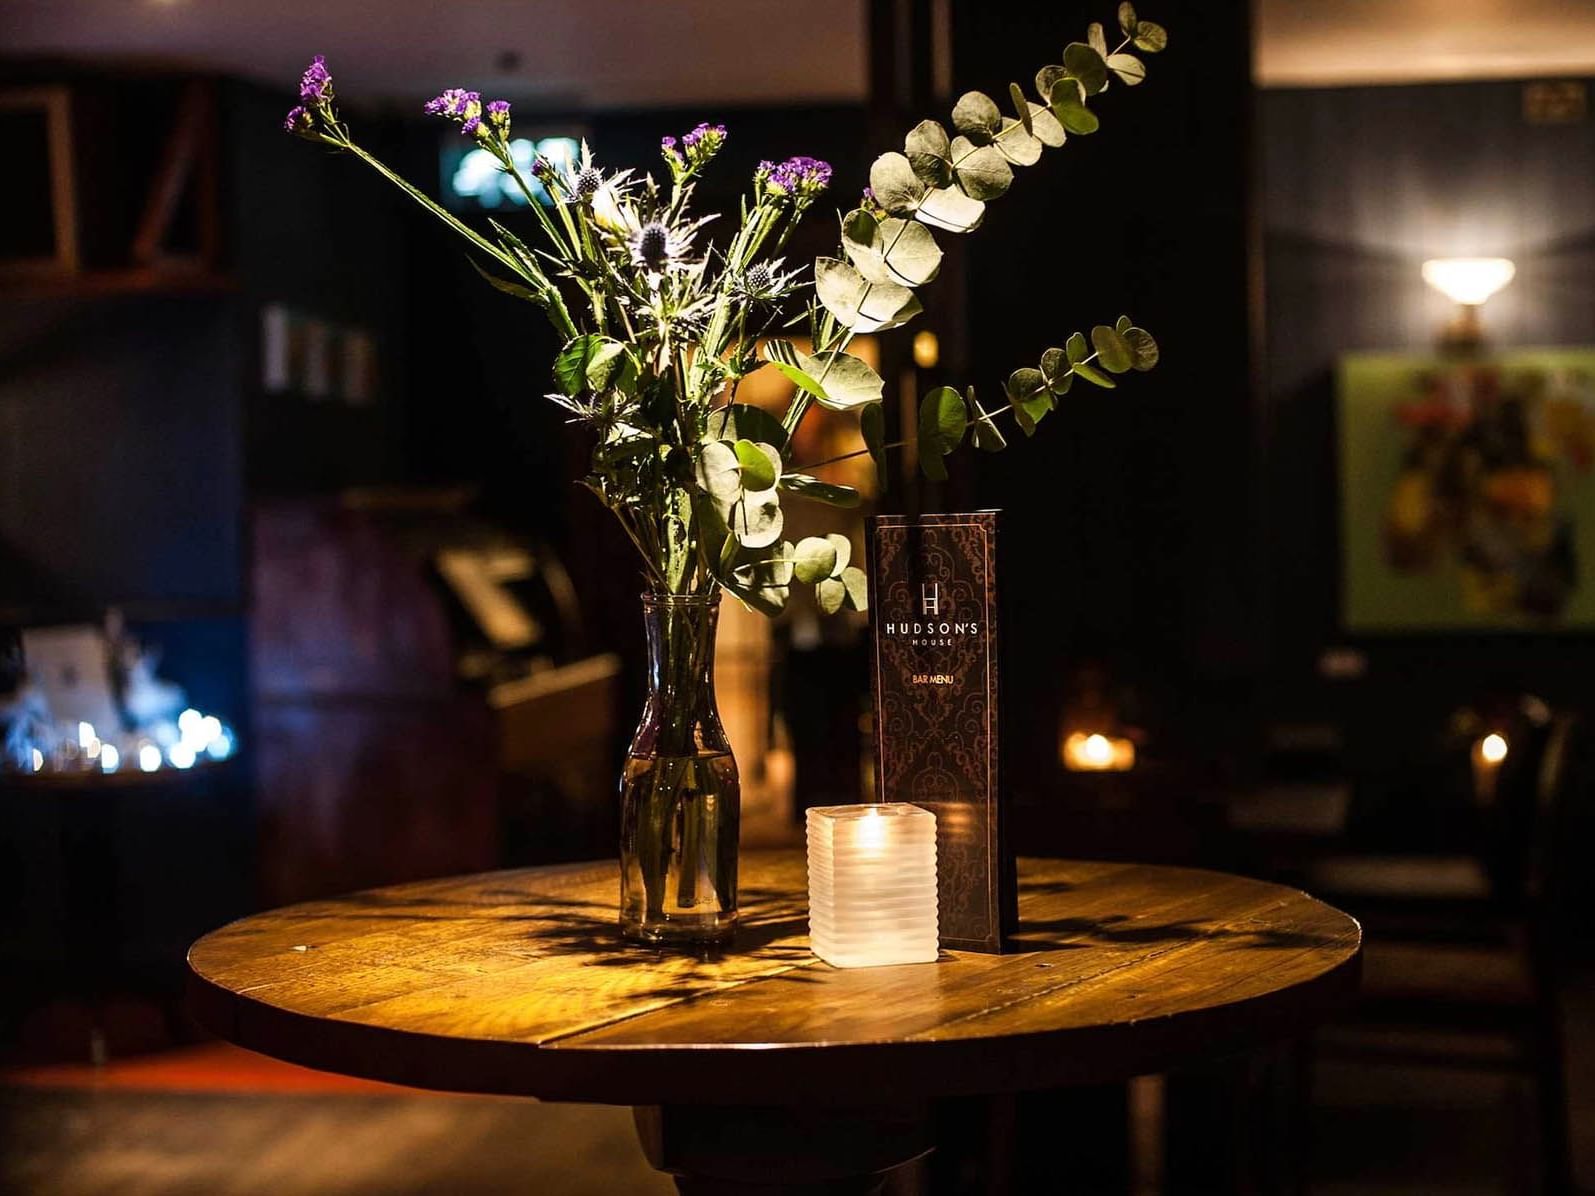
pixel 679 795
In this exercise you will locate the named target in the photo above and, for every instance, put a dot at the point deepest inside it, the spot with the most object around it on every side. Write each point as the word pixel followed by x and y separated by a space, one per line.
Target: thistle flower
pixel 656 247
pixel 587 182
pixel 764 282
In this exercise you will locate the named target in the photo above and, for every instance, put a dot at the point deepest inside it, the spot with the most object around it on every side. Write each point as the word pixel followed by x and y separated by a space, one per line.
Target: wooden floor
pixel 117 1142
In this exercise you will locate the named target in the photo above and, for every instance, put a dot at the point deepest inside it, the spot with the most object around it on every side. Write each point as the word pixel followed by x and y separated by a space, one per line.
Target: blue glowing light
pixel 478 175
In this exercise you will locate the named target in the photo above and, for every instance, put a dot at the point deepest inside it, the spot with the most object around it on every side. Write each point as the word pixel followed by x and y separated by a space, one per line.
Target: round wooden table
pixel 766 1066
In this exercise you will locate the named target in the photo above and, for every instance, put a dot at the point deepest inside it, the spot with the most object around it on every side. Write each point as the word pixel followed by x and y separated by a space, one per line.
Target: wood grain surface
pixel 517 982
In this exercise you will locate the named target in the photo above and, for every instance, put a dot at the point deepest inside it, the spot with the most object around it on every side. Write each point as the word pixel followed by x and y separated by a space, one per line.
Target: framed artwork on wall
pixel 1467 491
pixel 40 236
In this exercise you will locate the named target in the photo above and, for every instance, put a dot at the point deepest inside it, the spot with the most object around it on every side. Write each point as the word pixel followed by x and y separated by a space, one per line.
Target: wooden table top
pixel 517 982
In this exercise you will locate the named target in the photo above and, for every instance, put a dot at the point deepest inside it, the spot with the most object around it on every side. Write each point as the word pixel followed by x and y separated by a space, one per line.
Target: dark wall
pixel 1129 514
pixel 1360 186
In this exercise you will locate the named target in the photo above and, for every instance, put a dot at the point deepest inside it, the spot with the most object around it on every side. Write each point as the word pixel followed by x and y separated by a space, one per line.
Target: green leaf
pixel 1113 354
pixel 895 185
pixel 1151 37
pixel 814 560
pixel 1070 109
pixel 1086 65
pixel 1021 105
pixel 1127 21
pixel 830 594
pixel 720 472
pixel 1122 324
pixel 872 426
pixel 1047 78
pixel 756 519
pixel 1077 348
pixel 1130 69
pixel 942 422
pixel 1045 126
pixel 844 550
pixel 860 305
pixel 826 492
pixel 509 288
pixel 1018 145
pixel 1055 372
pixel 595 363
pixel 766 570
pixel 982 172
pixel 1029 397
pixel 892 250
pixel 976 117
pixel 929 153
pixel 983 431
pixel 857 587
pixel 1143 349
pixel 848 381
pixel 761 464
pixel 951 209
pixel 1093 375
pixel 743 421
pixel 1096 39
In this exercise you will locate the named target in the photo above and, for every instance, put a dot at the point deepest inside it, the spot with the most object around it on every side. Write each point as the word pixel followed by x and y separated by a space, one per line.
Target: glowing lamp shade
pixel 872 884
pixel 1468 280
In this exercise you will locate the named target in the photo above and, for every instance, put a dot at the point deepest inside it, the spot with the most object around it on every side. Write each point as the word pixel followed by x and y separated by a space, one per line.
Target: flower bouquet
pixel 660 326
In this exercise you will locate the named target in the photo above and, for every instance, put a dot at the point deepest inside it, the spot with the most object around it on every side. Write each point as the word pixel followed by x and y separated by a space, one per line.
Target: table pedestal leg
pixel 725 1150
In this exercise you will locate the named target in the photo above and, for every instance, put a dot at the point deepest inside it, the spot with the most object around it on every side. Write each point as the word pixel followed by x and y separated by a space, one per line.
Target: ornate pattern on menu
pixel 934 619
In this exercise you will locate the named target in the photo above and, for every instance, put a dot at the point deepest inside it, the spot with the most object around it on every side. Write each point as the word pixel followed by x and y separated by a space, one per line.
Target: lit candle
pixel 872 884
pixel 1096 752
pixel 1488 755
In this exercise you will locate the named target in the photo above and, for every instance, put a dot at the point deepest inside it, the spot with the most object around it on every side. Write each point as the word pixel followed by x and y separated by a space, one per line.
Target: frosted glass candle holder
pixel 872 884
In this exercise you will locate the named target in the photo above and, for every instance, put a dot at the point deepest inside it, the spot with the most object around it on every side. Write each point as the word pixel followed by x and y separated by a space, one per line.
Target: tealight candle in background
pixel 872 884
pixel 1096 752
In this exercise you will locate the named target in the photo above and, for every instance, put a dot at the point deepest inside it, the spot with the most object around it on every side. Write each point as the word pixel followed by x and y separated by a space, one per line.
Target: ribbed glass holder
pixel 872 884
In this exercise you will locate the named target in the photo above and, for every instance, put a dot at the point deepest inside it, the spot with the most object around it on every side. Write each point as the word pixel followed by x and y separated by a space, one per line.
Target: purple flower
pixel 455 102
pixel 498 115
pixel 705 132
pixel 299 122
pixel 802 176
pixel 315 85
pixel 667 144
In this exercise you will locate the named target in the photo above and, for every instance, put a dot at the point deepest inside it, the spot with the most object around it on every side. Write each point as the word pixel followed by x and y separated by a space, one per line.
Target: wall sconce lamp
pixel 1467 282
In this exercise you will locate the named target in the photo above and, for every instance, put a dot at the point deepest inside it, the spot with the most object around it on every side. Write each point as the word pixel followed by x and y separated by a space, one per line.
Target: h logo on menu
pixel 930 598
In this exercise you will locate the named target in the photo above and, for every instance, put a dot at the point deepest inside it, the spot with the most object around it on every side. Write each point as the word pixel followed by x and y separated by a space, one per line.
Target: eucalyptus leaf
pixel 1093 375
pixel 1143 349
pixel 743 421
pixel 982 172
pixel 756 519
pixel 929 153
pixel 897 250
pixel 1047 78
pixel 765 567
pixel 1127 21
pixel 760 464
pixel 1070 109
pixel 830 594
pixel 977 117
pixel 1018 145
pixel 1077 348
pixel 951 209
pixel 1055 371
pixel 1045 126
pixel 985 434
pixel 1130 69
pixel 942 422
pixel 720 472
pixel 1086 65
pixel 857 587
pixel 858 304
pixel 827 492
pixel 1029 397
pixel 895 185
pixel 844 550
pixel 1151 37
pixel 1021 105
pixel 1096 38
pixel 1113 353
pixel 814 560
pixel 1122 324
pixel 847 382
pixel 872 426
